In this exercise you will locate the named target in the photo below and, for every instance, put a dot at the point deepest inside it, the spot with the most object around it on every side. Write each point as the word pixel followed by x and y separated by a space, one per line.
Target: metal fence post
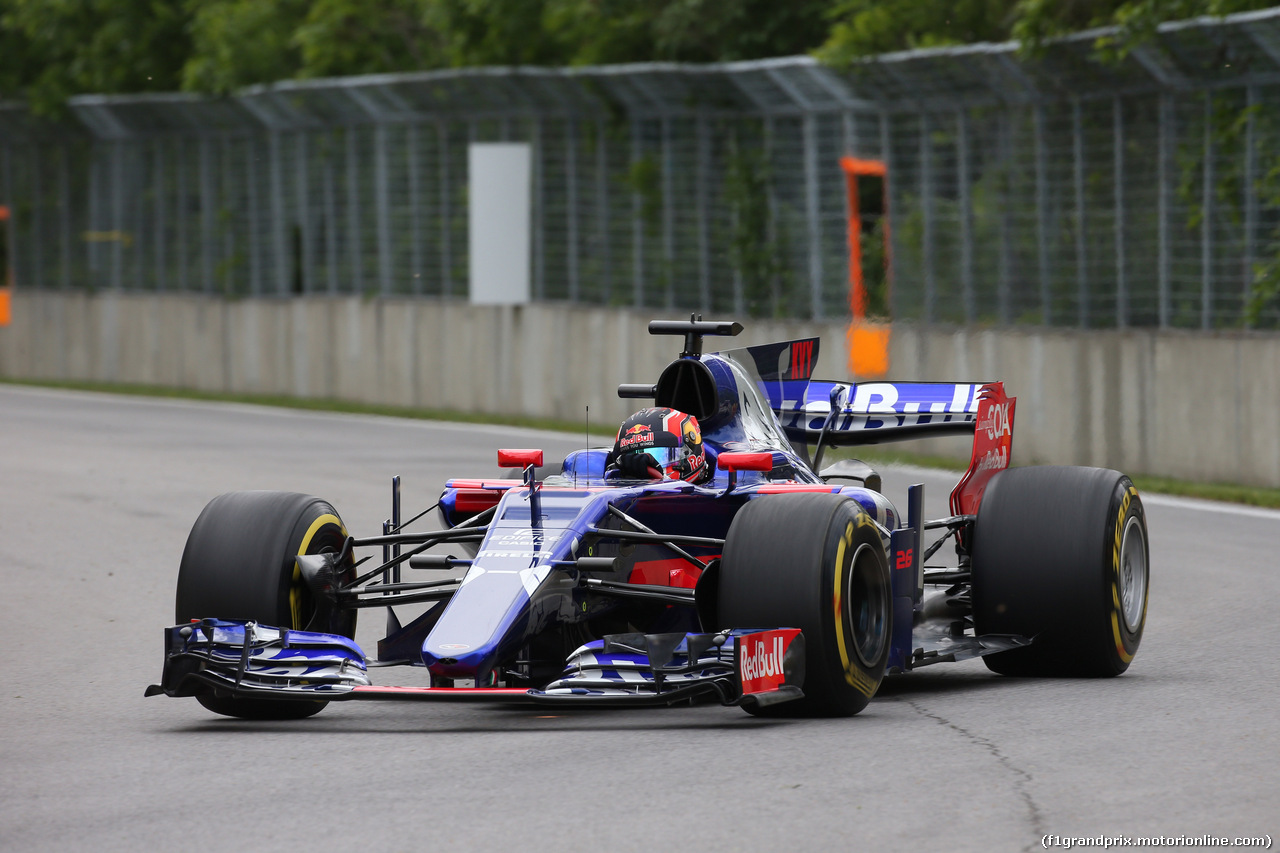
pixel 539 216
pixel 330 220
pixel 1117 186
pixel 775 273
pixel 1082 277
pixel 890 167
pixel 926 203
pixel 157 188
pixel 37 220
pixel 637 223
pixel 180 163
pixel 446 213
pixel 279 246
pixel 117 214
pixel 228 231
pixel 383 215
pixel 255 218
pixel 739 295
pixel 602 214
pixel 810 131
pixel 11 224
pixel 355 248
pixel 571 210
pixel 1004 288
pixel 702 178
pixel 963 179
pixel 415 212
pixel 1042 216
pixel 1162 206
pixel 305 218
pixel 64 218
pixel 1250 201
pixel 668 216
pixel 206 216
pixel 1206 220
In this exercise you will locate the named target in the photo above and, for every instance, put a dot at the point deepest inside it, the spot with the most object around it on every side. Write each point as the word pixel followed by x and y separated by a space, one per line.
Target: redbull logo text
pixel 761 657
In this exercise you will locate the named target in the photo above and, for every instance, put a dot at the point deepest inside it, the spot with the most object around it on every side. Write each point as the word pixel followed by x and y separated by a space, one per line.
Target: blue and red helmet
pixel 660 443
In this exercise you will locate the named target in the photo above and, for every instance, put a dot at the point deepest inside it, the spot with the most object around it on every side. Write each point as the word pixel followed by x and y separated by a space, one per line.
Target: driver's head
pixel 662 444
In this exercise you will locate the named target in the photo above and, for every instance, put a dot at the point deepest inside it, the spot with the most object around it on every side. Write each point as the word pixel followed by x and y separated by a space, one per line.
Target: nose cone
pixel 485 621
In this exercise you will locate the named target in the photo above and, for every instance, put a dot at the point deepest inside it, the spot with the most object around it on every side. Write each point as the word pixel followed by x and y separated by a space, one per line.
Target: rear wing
pixel 849 413
pixel 844 413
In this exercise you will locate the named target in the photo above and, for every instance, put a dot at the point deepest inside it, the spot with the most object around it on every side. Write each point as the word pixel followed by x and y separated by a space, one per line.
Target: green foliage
pixel 344 37
pixel 53 49
pixel 866 27
pixel 236 43
pixel 752 252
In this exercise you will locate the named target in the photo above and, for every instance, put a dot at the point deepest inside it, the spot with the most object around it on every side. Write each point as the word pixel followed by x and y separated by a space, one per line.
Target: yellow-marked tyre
pixel 1061 555
pixel 815 562
pixel 239 564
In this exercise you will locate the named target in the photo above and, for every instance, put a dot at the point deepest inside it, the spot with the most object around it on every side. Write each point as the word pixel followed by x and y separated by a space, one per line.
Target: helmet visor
pixel 664 456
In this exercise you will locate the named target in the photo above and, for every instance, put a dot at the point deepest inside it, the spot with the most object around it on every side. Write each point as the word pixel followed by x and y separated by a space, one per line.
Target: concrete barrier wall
pixel 1194 406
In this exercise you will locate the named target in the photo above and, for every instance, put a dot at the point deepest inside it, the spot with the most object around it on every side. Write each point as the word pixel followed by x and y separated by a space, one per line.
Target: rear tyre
pixel 1061 555
pixel 814 562
pixel 238 564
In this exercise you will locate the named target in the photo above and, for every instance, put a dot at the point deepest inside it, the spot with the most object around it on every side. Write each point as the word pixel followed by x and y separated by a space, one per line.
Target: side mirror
pixel 522 458
pixel 742 461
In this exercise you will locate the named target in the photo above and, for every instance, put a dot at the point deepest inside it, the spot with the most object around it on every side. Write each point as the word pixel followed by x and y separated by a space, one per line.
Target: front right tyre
pixel 816 562
pixel 239 564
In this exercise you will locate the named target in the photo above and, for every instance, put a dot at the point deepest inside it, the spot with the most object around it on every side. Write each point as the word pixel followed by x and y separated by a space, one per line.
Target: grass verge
pixel 1229 492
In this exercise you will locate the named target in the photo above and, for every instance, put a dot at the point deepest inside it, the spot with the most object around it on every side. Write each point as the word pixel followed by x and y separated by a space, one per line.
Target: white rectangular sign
pixel 499 198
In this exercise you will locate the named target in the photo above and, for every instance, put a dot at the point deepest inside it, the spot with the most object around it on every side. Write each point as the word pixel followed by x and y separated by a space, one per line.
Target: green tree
pixel 69 47
pixel 343 37
pixel 235 43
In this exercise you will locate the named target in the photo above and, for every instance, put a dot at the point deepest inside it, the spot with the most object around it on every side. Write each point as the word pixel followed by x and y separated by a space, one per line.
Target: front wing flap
pixel 242 660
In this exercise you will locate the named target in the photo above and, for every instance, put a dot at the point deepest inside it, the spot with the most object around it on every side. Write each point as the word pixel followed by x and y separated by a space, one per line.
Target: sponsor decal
pixel 903 560
pixel 760 659
pixel 860 681
pixel 996 459
pixel 992 445
pixel 801 360
pixel 453 647
pixel 996 422
pixel 638 436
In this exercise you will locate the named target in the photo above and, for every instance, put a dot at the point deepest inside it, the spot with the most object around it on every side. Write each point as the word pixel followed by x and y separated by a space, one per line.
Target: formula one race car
pixel 752 576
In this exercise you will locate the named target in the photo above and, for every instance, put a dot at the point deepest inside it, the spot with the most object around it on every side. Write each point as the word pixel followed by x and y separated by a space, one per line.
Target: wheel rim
pixel 869 607
pixel 1133 574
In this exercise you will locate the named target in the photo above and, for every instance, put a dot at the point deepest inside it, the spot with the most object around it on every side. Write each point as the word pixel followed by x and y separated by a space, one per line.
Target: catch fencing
pixel 986 187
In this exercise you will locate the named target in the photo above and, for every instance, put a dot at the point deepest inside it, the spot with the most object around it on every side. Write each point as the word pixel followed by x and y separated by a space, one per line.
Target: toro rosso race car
pixel 748 575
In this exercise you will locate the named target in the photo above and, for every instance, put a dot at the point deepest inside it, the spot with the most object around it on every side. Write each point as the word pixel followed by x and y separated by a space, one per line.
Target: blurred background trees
pixel 52 49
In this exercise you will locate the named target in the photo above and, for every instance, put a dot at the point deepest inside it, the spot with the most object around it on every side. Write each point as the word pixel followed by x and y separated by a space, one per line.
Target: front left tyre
pixel 1061 555
pixel 239 564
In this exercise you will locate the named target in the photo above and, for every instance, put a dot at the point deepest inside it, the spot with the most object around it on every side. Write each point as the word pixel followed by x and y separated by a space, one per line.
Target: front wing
pixel 244 660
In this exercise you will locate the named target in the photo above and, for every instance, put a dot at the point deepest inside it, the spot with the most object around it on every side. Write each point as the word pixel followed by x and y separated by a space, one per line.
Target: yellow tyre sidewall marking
pixel 853 674
pixel 295 586
pixel 1125 655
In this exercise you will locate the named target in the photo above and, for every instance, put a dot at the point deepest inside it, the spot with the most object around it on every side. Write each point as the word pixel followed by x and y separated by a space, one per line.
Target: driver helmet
pixel 660 443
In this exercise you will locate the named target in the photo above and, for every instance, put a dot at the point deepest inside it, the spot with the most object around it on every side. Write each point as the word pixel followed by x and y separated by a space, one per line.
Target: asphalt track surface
pixel 97 494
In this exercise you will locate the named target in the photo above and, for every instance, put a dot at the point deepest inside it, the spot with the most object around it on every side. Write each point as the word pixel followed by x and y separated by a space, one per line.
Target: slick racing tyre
pixel 1060 555
pixel 239 564
pixel 815 562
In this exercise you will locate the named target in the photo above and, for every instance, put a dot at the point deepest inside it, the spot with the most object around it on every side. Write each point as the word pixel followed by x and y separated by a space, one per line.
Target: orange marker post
pixel 868 340
pixel 6 277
